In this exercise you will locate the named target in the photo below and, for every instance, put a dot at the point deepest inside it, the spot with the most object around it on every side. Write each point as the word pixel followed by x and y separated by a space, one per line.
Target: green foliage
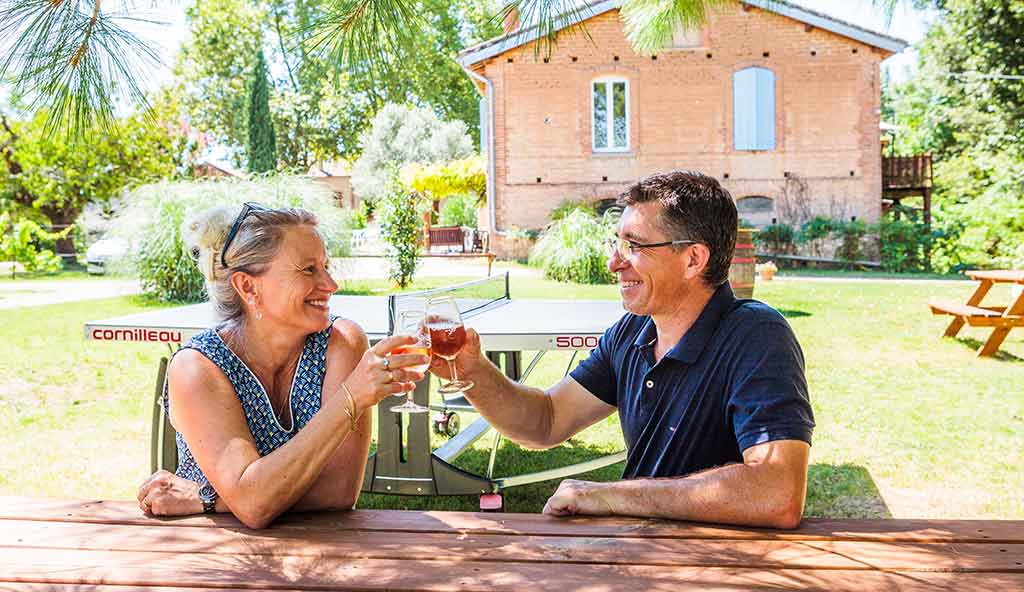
pixel 215 63
pixel 851 235
pixel 980 213
pixel 262 145
pixel 361 217
pixel 776 238
pixel 400 136
pixel 572 249
pixel 904 244
pixel 817 228
pixel 319 109
pixel 154 214
pixel 570 205
pixel 444 179
pixel 401 226
pixel 815 231
pixel 459 210
pixel 20 243
pixel 55 178
pixel 966 107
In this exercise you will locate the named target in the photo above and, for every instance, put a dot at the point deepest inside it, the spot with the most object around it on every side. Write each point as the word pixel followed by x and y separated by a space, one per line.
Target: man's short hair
pixel 694 207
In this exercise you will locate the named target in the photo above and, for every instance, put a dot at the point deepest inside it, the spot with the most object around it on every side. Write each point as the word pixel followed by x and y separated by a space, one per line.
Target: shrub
pixel 904 244
pixel 776 238
pixel 401 225
pixel 459 210
pixel 568 206
pixel 20 242
pixel 152 218
pixel 572 249
pixel 814 232
pixel 850 235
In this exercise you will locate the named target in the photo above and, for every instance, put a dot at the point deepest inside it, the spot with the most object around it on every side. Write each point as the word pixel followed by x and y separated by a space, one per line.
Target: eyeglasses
pixel 625 248
pixel 247 209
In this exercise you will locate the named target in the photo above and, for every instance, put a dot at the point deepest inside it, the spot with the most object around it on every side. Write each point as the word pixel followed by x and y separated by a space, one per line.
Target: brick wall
pixel 680 108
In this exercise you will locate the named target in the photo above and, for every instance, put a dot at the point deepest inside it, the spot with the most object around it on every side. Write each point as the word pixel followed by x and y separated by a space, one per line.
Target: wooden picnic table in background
pixel 73 545
pixel 1001 318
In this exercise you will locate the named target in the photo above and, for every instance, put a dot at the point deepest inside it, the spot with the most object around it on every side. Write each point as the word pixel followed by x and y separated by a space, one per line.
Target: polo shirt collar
pixel 689 348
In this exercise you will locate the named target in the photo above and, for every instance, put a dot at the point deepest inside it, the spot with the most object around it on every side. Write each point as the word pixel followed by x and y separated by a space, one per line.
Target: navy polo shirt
pixel 735 379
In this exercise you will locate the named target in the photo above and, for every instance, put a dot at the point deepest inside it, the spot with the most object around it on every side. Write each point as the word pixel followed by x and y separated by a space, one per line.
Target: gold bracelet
pixel 351 412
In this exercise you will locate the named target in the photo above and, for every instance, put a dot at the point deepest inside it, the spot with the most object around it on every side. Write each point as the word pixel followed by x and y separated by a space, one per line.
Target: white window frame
pixel 610 121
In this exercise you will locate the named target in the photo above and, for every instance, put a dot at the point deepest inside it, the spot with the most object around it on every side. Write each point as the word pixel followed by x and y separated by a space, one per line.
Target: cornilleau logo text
pixel 137 335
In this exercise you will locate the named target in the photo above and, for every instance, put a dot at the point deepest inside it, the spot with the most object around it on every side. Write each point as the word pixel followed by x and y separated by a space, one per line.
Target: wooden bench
pixel 1001 318
pixel 447 236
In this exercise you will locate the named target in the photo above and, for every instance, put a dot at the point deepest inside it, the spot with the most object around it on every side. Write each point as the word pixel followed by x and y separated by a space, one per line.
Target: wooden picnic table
pixel 1000 318
pixel 74 545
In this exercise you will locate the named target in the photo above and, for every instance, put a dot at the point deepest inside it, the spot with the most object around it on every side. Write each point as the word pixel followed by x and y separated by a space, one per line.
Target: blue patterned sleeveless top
pixel 267 431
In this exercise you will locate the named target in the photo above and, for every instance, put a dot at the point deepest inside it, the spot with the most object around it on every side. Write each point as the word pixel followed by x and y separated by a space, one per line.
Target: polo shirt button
pixel 650 384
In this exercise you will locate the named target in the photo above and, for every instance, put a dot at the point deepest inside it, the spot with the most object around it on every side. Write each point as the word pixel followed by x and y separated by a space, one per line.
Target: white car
pixel 103 251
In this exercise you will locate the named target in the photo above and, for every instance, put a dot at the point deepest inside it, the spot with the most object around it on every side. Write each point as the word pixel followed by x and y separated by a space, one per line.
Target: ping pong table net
pixel 473 298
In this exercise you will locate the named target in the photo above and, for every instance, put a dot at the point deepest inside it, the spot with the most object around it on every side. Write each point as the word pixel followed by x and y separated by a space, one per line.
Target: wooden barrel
pixel 741 273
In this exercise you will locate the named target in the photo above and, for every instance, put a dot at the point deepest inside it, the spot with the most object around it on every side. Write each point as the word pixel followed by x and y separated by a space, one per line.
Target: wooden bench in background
pixel 466 242
pixel 1001 318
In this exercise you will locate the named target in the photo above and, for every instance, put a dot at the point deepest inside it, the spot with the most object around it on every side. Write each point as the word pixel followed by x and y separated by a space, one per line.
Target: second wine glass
pixel 411 323
pixel 447 336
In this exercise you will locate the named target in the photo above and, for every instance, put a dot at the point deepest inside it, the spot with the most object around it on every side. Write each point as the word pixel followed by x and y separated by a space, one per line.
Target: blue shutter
pixel 765 109
pixel 754 109
pixel 744 109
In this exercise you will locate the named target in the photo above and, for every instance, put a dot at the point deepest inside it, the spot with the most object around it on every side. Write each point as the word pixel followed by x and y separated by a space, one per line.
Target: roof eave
pixel 500 45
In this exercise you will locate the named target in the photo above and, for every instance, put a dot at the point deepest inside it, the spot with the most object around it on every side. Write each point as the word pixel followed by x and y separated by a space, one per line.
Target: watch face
pixel 207 493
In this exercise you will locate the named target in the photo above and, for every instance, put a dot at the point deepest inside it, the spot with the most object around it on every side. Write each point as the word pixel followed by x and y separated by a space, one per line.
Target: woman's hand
pixel 166 494
pixel 379 375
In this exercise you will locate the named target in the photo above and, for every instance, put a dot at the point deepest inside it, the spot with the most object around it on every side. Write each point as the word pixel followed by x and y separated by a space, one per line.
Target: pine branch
pixel 365 33
pixel 73 59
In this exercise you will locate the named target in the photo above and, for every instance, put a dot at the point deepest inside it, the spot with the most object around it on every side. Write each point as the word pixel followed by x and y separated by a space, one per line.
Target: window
pixel 753 100
pixel 610 113
pixel 756 210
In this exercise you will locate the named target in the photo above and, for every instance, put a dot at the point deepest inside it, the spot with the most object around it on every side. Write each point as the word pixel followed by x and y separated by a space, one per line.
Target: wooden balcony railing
pixel 906 172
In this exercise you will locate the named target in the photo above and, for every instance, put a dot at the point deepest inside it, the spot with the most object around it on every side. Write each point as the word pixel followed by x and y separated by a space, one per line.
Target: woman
pixel 270 405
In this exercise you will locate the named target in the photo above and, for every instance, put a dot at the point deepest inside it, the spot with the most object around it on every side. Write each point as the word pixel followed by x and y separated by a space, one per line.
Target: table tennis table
pixel 404 462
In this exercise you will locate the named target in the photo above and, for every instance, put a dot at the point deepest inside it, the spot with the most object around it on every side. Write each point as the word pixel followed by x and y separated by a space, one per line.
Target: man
pixel 710 390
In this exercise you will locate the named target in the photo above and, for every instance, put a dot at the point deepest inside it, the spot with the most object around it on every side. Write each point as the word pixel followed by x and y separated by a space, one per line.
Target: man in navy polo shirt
pixel 710 390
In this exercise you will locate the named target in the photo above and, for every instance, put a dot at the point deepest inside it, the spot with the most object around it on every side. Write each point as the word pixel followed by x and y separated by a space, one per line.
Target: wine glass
pixel 411 323
pixel 447 336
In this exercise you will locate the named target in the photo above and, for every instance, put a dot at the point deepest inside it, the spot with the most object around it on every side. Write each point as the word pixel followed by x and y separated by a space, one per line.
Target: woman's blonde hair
pixel 254 246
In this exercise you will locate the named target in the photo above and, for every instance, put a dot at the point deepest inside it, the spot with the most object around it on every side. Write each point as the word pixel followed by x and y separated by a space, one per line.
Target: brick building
pixel 780 103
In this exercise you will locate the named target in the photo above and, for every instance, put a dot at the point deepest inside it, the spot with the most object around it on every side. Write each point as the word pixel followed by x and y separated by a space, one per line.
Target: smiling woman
pixel 277 364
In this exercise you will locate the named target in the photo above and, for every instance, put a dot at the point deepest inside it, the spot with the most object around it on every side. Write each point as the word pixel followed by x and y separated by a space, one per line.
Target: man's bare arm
pixel 529 416
pixel 766 490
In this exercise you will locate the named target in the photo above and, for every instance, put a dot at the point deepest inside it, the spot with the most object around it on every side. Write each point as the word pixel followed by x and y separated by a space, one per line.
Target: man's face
pixel 651 280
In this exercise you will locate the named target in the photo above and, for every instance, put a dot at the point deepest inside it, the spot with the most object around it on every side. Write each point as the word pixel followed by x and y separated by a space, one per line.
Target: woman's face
pixel 295 290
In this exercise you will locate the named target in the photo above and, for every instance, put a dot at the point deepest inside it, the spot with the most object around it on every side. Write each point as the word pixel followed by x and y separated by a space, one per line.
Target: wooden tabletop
pixel 998 275
pixel 74 545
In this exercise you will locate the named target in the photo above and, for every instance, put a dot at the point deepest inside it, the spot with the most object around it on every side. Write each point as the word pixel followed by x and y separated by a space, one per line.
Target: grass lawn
pixel 909 425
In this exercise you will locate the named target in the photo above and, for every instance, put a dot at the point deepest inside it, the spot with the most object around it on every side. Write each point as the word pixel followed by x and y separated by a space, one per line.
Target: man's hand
pixel 166 494
pixel 578 497
pixel 466 361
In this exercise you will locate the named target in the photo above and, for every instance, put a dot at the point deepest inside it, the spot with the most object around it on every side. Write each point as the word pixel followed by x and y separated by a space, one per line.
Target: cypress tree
pixel 262 145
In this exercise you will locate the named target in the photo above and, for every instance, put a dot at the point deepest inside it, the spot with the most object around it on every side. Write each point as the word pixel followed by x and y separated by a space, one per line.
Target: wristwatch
pixel 208 495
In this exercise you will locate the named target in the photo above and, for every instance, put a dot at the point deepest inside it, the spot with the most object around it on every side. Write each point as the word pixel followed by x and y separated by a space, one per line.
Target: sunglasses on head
pixel 247 209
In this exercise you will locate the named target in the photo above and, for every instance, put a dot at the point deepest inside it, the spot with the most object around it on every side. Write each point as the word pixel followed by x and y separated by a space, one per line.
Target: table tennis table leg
pixel 163 447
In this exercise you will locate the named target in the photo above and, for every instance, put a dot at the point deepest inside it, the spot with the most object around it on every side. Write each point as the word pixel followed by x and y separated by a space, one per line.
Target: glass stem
pixel 455 374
